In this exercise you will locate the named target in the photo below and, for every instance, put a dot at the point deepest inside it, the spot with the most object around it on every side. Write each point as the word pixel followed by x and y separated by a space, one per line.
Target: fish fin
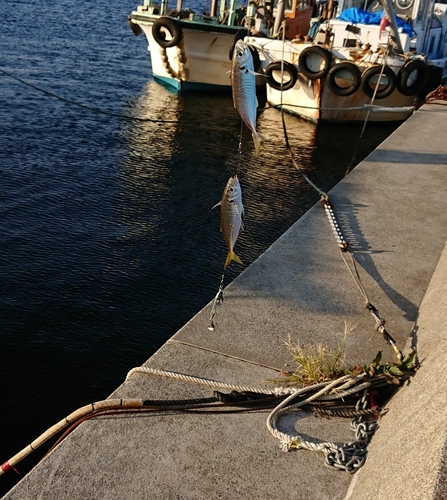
pixel 257 141
pixel 254 73
pixel 217 204
pixel 232 256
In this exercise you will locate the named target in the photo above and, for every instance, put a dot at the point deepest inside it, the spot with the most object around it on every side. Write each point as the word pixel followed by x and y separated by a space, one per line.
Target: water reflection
pixel 175 172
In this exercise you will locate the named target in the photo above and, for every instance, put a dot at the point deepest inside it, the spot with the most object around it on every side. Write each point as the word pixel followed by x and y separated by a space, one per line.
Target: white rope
pixel 198 380
pixel 373 108
pixel 331 390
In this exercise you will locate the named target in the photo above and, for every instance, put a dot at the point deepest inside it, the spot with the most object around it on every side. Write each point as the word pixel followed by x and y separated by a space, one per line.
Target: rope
pixel 220 353
pixel 349 456
pixel 353 270
pixel 342 243
pixel 195 380
pixel 373 108
pixel 369 111
pixel 75 103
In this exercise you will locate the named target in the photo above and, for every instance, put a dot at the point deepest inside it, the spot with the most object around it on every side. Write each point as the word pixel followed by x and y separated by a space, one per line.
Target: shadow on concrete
pixel 363 254
pixel 396 156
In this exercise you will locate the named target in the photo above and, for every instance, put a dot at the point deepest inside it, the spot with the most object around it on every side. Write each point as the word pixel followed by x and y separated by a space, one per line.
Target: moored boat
pixel 330 67
pixel 349 68
pixel 189 51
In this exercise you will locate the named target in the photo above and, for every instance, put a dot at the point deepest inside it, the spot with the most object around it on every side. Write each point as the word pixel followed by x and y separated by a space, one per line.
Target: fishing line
pixel 218 300
pixel 85 106
pixel 219 297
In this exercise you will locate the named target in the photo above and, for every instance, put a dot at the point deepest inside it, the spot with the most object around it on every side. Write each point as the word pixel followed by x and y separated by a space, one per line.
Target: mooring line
pixel 220 353
pixel 85 106
pixel 344 248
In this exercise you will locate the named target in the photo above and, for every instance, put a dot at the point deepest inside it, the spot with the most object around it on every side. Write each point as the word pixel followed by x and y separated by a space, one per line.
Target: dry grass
pixel 318 363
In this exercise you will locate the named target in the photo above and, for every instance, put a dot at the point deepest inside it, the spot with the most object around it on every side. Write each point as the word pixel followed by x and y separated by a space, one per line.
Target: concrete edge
pixel 406 457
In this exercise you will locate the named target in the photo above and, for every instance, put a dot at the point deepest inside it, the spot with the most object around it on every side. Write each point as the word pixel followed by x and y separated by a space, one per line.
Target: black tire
pixel 136 29
pixel 404 75
pixel 168 24
pixel 315 50
pixel 356 79
pixel 374 71
pixel 288 68
pixel 433 81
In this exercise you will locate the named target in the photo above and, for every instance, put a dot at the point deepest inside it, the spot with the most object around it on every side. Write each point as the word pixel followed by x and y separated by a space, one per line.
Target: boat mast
pixel 425 45
pixel 391 16
pixel 280 8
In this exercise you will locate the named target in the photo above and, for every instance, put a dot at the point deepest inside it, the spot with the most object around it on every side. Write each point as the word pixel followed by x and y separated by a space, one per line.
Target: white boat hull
pixel 313 101
pixel 200 61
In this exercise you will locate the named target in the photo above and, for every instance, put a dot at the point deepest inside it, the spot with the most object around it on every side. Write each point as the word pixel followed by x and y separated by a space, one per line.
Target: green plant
pixel 318 363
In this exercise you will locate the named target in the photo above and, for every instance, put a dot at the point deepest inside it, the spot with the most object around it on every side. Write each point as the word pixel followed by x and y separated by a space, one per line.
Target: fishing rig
pixel 218 299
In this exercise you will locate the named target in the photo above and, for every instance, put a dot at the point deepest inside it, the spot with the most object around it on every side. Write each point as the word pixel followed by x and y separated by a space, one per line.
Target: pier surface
pixel 392 209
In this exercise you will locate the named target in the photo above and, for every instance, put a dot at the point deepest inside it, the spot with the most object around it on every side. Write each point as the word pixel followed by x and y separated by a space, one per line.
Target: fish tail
pixel 232 256
pixel 257 141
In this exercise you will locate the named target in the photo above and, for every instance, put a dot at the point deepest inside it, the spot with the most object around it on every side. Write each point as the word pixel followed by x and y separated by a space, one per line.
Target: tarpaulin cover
pixel 357 16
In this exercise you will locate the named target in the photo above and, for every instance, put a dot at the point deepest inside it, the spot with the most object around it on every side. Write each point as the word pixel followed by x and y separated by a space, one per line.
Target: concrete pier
pixel 393 210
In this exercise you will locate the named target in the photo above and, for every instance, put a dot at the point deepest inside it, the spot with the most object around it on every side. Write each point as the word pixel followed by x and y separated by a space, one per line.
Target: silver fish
pixel 231 212
pixel 243 86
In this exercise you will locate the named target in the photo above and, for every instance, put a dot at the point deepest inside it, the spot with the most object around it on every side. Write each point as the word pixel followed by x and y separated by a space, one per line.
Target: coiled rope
pixel 349 456
pixel 315 398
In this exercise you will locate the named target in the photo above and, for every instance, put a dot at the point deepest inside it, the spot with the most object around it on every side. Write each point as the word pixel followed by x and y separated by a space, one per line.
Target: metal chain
pixel 351 456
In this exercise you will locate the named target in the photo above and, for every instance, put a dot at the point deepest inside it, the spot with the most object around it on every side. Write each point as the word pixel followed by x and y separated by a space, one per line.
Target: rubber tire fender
pixel 288 68
pixel 404 75
pixel 376 70
pixel 170 25
pixel 350 67
pixel 326 55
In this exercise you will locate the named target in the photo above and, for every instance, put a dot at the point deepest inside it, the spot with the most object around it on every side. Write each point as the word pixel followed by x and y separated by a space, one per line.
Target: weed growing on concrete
pixel 318 363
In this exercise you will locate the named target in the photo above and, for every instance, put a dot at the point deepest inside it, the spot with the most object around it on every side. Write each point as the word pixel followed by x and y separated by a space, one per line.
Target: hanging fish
pixel 243 86
pixel 231 212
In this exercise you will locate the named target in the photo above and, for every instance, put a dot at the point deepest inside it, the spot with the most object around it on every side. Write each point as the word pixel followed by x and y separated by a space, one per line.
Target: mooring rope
pixel 343 245
pixel 75 103
pixel 373 108
pixel 349 456
pixel 370 109
pixel 195 380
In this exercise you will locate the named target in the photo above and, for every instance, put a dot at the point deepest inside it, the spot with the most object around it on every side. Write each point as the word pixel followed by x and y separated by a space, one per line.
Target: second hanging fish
pixel 231 212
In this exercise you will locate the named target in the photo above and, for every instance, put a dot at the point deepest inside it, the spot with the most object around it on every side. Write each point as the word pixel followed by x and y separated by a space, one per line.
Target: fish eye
pixel 240 53
pixel 231 189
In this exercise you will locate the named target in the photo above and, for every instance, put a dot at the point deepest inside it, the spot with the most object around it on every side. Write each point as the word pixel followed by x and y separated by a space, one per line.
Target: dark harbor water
pixel 108 241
